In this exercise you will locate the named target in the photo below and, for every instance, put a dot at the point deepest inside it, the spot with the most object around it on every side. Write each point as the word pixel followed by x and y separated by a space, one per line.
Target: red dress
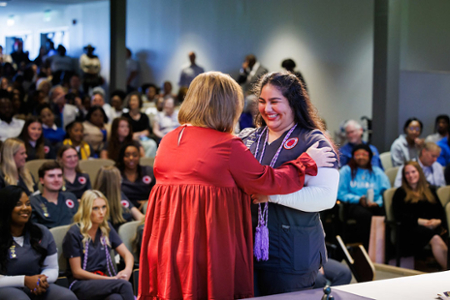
pixel 197 241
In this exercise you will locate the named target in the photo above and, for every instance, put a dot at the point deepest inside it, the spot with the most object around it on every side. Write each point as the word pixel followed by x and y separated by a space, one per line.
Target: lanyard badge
pixel 45 210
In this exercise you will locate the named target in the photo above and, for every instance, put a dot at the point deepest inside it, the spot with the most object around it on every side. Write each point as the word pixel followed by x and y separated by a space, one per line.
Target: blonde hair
pixel 214 100
pixel 8 166
pixel 422 190
pixel 83 215
pixel 108 182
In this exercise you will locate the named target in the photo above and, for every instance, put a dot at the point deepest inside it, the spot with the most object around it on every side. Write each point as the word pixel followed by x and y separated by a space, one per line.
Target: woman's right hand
pixel 31 282
pixel 324 157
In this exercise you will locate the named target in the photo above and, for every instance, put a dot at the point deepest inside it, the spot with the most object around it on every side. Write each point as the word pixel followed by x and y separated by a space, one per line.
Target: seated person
pixel 98 99
pixel 29 261
pixel 75 181
pixel 444 158
pixel 87 246
pixel 121 209
pixel 12 166
pixel 96 129
pixel 407 146
pixel 361 185
pixel 137 180
pixel 420 212
pixel 53 208
pixel 121 134
pixel 354 133
pixel 167 120
pixel 441 127
pixel 37 146
pixel 49 129
pixel 10 127
pixel 140 123
pixel 433 171
pixel 74 137
pixel 117 98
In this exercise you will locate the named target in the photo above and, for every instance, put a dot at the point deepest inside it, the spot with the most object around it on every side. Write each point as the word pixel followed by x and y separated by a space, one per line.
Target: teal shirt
pixel 351 190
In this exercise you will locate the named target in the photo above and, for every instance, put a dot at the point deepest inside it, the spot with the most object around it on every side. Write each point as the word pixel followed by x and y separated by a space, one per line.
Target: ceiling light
pixel 3 3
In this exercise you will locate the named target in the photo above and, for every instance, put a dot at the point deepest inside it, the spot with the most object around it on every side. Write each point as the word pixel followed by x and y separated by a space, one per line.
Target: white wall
pixel 331 41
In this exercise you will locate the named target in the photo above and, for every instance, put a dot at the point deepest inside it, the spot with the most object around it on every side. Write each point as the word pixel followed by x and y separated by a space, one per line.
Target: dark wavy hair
pixel 114 143
pixel 95 108
pixel 10 195
pixel 120 163
pixel 305 114
pixel 24 136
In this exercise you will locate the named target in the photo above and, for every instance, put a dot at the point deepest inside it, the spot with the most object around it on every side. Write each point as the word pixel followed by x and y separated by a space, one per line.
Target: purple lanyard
pixel 261 248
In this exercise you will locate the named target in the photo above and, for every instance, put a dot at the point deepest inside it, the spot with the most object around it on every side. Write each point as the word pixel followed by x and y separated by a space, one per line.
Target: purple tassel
pixel 261 248
pixel 257 247
pixel 265 243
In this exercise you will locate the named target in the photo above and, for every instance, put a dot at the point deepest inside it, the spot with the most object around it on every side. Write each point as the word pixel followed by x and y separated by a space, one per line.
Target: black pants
pixel 269 283
pixel 108 289
pixel 363 217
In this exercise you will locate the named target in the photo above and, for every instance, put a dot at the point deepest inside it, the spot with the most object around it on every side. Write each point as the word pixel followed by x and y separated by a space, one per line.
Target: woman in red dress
pixel 197 241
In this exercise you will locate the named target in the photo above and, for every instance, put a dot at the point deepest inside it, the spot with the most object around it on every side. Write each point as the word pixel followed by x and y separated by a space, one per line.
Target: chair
pixel 391 173
pixel 146 161
pixel 444 195
pixel 34 165
pixel 358 261
pixel 58 235
pixel 127 232
pixel 91 166
pixel 386 160
pixel 392 226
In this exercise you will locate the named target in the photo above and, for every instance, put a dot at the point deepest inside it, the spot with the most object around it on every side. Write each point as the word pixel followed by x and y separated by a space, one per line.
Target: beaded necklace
pixel 261 248
pixel 108 259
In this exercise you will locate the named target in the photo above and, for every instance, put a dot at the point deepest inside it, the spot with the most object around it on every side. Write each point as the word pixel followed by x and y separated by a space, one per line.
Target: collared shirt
pixel 167 123
pixel 10 130
pixel 434 174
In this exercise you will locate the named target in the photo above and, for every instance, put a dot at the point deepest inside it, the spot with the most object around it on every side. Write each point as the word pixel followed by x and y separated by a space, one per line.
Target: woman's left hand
pixel 257 198
pixel 124 274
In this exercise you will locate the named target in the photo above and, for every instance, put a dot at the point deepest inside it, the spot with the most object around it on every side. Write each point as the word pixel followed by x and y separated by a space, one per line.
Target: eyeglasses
pixel 414 128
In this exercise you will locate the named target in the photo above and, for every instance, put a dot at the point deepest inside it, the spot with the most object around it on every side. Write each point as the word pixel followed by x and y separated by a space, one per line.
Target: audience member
pixel 9 126
pixel 407 146
pixel 247 118
pixel 18 56
pixel 132 72
pixel 121 134
pixel 98 99
pixel 152 93
pixel 117 98
pixel 433 171
pixel 361 186
pixel 140 123
pixel 75 181
pixel 444 157
pixel 67 113
pixel 190 72
pixel 37 146
pixel 12 166
pixel 90 66
pixel 4 58
pixel 137 180
pixel 250 72
pixel 53 207
pixel 96 129
pixel 50 131
pixel 28 256
pixel 182 92
pixel 121 209
pixel 441 126
pixel 167 120
pixel 167 91
pixel 354 133
pixel 20 110
pixel 39 60
pixel 75 138
pixel 75 86
pixel 422 217
pixel 87 246
pixel 289 65
pixel 60 62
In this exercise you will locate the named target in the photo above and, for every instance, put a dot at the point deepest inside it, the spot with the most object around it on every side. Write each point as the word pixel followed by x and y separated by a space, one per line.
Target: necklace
pixel 261 248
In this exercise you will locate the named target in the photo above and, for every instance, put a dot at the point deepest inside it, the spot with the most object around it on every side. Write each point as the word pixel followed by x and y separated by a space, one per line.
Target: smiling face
pixel 123 130
pixel 413 130
pixel 353 134
pixel 76 133
pixel 412 176
pixel 52 180
pixel 361 157
pixel 134 102
pixel 20 157
pixel 35 131
pixel 69 159
pixel 99 210
pixel 275 109
pixel 47 117
pixel 131 158
pixel 22 211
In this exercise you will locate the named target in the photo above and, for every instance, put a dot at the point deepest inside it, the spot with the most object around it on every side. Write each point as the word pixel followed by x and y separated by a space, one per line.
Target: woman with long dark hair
pixel 407 146
pixel 361 186
pixel 28 256
pixel 96 129
pixel 121 134
pixel 37 146
pixel 287 125
pixel 417 207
